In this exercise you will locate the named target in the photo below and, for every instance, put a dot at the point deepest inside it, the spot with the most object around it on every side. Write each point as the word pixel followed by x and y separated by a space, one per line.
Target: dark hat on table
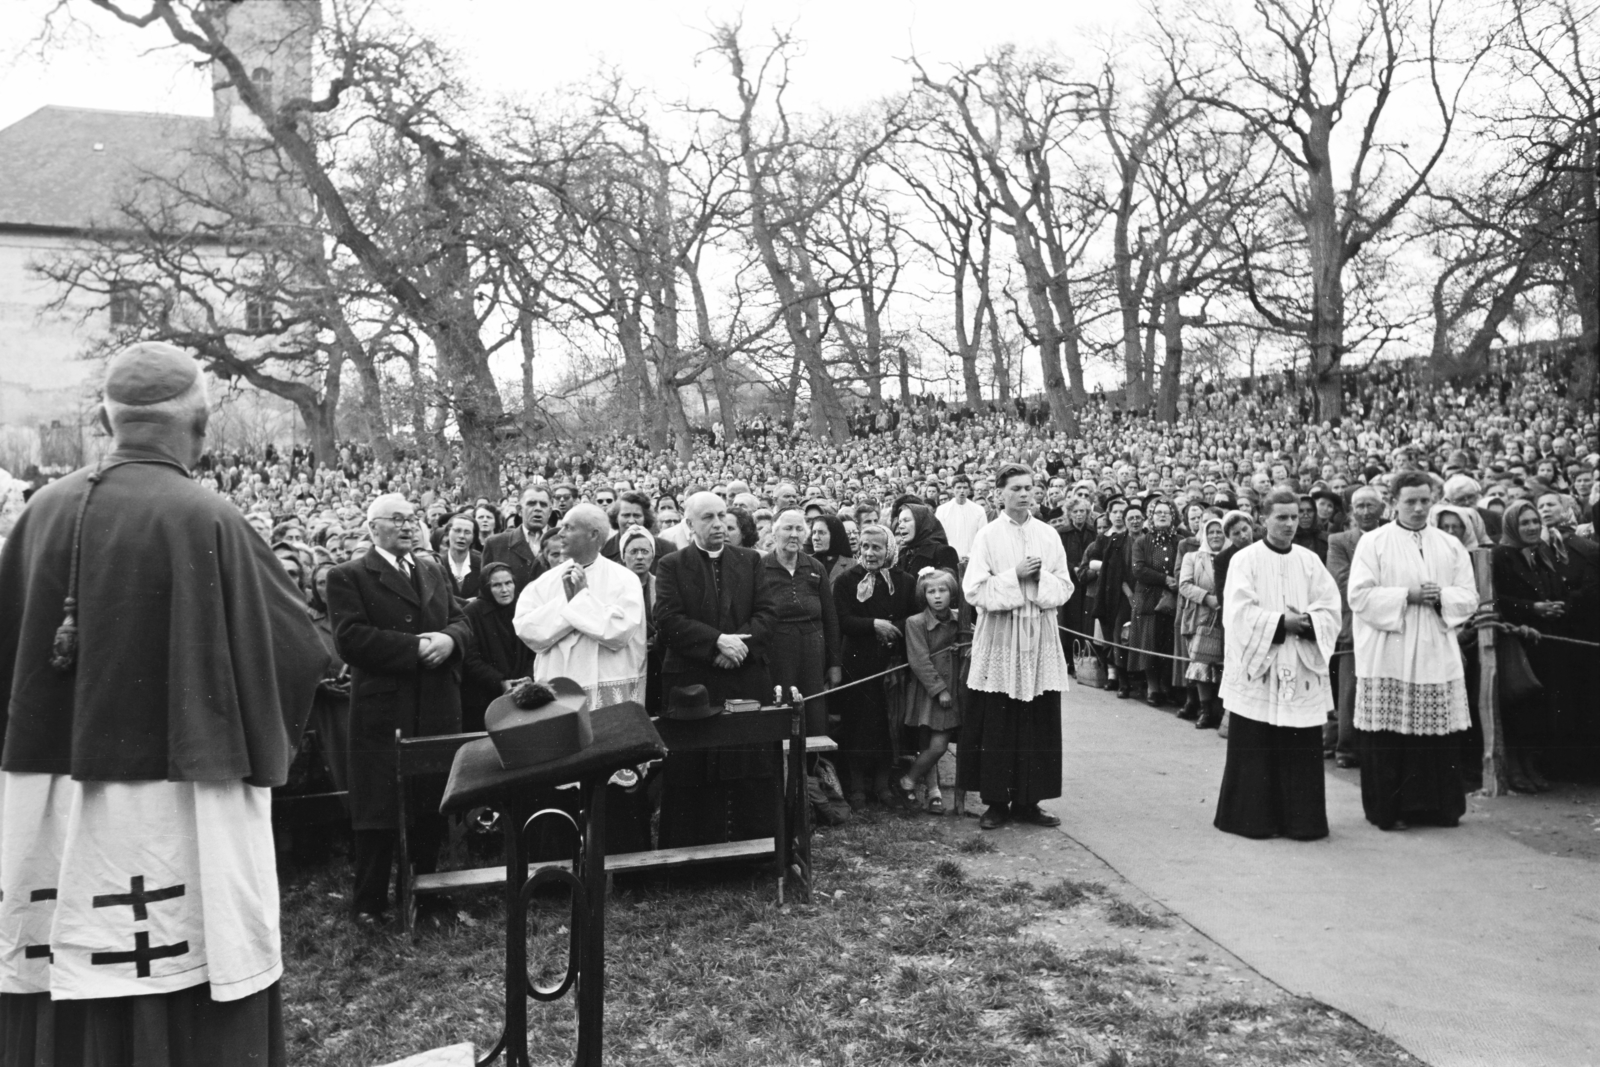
pixel 690 702
pixel 538 722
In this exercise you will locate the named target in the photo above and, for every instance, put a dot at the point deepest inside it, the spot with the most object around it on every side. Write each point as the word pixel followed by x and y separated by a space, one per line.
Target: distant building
pixel 64 175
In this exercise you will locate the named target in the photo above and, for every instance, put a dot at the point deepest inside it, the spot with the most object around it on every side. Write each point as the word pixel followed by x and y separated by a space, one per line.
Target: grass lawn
pixel 908 955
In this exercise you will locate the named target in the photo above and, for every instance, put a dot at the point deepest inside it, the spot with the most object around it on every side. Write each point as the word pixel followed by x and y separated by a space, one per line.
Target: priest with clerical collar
pixel 159 668
pixel 1281 615
pixel 1411 589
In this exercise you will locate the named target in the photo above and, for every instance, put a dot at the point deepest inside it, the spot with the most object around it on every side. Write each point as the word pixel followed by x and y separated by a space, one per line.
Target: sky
pixel 855 50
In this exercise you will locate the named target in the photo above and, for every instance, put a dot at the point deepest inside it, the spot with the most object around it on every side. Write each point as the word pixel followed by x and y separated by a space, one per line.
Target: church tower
pixel 274 39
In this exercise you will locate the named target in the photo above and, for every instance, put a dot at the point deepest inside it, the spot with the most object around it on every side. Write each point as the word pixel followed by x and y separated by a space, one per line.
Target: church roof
pixel 68 168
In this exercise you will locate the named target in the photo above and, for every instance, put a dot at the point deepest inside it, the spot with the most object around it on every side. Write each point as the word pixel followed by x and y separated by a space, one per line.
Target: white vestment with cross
pixel 115 889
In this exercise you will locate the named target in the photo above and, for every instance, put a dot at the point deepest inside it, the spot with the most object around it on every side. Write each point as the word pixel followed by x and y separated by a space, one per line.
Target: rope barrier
pixel 1162 655
pixel 891 670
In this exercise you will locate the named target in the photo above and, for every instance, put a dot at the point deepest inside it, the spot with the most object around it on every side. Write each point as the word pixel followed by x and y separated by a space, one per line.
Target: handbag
pixel 1087 666
pixel 1206 645
pixel 1168 604
pixel 1518 683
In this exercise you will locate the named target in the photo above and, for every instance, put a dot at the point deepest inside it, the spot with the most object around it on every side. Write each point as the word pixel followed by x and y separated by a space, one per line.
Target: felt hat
pixel 690 702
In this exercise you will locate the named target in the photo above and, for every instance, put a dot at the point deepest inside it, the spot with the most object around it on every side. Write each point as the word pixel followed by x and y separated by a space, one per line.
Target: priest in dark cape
pixel 158 669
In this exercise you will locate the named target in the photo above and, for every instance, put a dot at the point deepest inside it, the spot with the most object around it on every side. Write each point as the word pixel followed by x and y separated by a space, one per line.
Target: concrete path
pixel 1465 946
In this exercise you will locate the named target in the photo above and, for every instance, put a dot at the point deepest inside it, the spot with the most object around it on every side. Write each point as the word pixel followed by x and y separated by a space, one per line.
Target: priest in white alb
pixel 1281 616
pixel 585 618
pixel 1016 578
pixel 1411 589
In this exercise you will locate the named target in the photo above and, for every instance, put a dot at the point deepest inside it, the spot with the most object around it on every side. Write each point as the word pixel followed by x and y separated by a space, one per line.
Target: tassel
pixel 64 649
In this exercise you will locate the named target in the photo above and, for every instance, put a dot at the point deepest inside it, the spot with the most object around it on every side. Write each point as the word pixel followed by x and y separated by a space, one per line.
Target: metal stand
pixel 586 959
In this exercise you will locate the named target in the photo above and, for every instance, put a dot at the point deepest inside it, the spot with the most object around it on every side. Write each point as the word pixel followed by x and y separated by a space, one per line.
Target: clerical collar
pixel 1284 551
pixel 708 552
pixel 1410 529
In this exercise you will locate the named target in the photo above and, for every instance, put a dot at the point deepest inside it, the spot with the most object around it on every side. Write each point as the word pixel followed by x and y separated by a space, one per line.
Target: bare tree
pixel 1013 113
pixel 1301 72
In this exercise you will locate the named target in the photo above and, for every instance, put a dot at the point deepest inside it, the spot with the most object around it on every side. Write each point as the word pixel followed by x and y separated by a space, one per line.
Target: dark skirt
pixel 864 721
pixel 1152 632
pixel 182 1029
pixel 1412 778
pixel 1273 782
pixel 797 658
pixel 1010 750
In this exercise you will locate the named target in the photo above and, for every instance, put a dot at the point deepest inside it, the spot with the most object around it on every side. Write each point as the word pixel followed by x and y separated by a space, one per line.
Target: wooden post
pixel 1494 743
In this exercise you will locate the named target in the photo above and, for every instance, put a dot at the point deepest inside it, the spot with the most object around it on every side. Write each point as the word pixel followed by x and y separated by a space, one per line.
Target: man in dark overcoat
pixel 715 614
pixel 403 635
pixel 518 547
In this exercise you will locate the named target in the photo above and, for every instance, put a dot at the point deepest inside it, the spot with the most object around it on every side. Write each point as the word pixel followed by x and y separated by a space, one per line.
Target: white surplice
pixel 1284 684
pixel 115 889
pixel 1016 649
pixel 597 638
pixel 961 524
pixel 1409 676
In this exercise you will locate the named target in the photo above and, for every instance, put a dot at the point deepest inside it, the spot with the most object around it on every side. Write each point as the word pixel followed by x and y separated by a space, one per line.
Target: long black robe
pixel 196 662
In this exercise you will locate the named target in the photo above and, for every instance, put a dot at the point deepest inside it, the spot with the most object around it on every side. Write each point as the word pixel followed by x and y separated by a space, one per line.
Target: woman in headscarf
pixel 636 548
pixel 1200 620
pixel 873 599
pixel 495 659
pixel 921 541
pixel 1154 572
pixel 830 545
pixel 1309 533
pixel 803 650
pixel 1528 591
pixel 1454 521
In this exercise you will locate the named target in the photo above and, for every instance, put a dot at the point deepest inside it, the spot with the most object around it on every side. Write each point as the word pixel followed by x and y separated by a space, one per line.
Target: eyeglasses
pixel 398 519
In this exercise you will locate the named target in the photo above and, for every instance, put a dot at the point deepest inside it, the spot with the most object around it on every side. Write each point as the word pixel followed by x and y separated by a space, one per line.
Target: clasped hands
pixel 574 579
pixel 731 651
pixel 434 648
pixel 1296 622
pixel 1029 568
pixel 1426 593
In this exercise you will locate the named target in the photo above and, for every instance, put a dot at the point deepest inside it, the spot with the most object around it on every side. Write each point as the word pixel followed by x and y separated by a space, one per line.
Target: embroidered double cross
pixel 137 897
pixel 142 953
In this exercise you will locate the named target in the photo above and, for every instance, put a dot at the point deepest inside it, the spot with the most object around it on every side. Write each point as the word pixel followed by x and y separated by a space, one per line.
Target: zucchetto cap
pixel 148 373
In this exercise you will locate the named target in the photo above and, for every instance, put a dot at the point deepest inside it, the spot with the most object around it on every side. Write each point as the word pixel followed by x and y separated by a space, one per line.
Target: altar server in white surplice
pixel 1411 589
pixel 1281 616
pixel 1011 733
pixel 585 618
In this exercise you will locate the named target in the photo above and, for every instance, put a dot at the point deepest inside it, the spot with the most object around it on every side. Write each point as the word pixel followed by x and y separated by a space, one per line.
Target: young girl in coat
pixel 933 703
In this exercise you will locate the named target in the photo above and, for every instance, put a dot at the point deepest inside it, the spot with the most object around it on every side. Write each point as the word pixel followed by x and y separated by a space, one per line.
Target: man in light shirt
pixel 962 517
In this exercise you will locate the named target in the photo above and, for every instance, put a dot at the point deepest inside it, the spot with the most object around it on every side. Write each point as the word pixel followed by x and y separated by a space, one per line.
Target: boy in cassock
pixel 1411 588
pixel 1281 615
pixel 159 668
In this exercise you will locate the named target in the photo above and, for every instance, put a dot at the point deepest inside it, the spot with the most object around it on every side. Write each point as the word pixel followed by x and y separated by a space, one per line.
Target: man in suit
pixel 714 612
pixel 461 564
pixel 403 636
pixel 518 547
pixel 1366 514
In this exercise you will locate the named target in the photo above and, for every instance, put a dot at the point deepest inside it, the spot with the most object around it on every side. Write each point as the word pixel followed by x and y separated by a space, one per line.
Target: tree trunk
pixel 373 411
pixel 1172 365
pixel 1325 245
pixel 529 351
pixel 1002 361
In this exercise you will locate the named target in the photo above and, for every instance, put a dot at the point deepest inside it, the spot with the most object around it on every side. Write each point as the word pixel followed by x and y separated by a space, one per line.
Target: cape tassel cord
pixel 64 648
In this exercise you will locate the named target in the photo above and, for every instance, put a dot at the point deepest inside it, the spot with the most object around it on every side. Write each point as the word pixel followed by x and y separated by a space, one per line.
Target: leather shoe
pixel 995 817
pixel 1037 816
pixel 369 920
pixel 1346 762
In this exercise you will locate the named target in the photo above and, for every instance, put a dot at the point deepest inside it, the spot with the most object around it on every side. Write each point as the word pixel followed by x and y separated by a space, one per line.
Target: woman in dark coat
pixel 636 547
pixel 803 652
pixel 495 655
pixel 873 600
pixel 1155 561
pixel 1116 586
pixel 1528 591
pixel 330 708
pixel 922 542
pixel 1077 535
pixel 830 545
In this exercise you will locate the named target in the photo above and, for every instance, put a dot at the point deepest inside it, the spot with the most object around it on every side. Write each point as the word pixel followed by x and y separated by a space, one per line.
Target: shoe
pixel 1208 721
pixel 857 801
pixel 908 792
pixel 1190 712
pixel 1037 816
pixel 1123 692
pixel 369 920
pixel 1327 753
pixel 995 817
pixel 1346 763
pixel 1155 701
pixel 886 798
pixel 1398 824
pixel 936 805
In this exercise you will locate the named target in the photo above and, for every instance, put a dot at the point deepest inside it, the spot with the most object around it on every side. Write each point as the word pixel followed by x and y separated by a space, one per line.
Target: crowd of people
pixel 1304 587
